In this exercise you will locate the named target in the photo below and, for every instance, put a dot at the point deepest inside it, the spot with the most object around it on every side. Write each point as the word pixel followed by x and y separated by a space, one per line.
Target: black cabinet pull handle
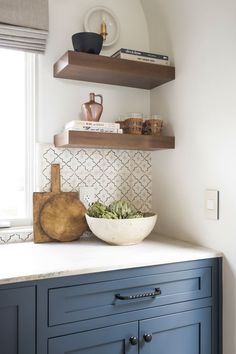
pixel 152 294
pixel 147 337
pixel 133 340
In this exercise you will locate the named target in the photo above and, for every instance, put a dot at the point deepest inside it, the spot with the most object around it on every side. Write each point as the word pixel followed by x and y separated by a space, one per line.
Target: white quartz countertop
pixel 28 261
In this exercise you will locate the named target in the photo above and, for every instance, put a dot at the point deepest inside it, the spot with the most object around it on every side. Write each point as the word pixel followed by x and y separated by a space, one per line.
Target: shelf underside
pixel 76 139
pixel 101 69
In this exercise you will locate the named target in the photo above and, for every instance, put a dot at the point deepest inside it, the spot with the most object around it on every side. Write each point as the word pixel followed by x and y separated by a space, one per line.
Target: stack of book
pixel 88 126
pixel 137 55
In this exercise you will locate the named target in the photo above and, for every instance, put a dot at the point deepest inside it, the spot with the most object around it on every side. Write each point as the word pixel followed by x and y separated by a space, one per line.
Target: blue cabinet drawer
pixel 82 302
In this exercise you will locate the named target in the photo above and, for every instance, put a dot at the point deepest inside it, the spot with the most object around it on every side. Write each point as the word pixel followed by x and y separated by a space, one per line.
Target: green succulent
pixel 109 215
pixel 96 210
pixel 117 210
pixel 121 208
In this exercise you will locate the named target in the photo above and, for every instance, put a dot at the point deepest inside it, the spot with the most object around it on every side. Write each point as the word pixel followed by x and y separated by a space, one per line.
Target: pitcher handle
pixel 101 98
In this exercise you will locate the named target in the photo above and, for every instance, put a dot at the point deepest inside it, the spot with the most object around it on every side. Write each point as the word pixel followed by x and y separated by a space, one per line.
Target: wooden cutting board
pixel 58 216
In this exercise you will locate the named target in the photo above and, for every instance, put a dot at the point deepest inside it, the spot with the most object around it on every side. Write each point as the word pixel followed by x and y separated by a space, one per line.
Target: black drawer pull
pixel 153 294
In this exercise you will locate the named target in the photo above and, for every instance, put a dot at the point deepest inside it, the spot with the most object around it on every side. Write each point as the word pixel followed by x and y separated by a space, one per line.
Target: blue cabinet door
pixel 182 333
pixel 108 340
pixel 17 321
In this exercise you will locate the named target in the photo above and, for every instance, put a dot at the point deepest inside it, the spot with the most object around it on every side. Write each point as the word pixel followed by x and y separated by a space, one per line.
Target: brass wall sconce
pixel 103 21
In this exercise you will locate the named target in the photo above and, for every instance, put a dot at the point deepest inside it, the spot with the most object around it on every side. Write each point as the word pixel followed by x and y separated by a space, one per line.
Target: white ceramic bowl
pixel 122 231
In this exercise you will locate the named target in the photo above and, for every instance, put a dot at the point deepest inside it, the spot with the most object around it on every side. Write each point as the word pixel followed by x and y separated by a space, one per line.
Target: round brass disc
pixel 63 217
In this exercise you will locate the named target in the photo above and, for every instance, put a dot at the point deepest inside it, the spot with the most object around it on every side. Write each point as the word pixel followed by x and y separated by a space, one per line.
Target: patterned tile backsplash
pixel 114 174
pixel 16 235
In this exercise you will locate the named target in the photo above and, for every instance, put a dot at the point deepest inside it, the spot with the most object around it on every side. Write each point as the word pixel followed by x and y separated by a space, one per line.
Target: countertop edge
pixel 47 261
pixel 77 272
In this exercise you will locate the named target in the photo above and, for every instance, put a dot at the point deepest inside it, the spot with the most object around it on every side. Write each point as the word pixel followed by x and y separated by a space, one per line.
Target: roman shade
pixel 24 24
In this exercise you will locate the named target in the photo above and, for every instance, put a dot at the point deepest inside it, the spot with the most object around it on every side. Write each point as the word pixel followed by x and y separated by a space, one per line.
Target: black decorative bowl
pixel 87 42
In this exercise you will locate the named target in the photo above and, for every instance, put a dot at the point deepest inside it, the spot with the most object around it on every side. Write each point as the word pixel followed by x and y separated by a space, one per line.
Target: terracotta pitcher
pixel 92 110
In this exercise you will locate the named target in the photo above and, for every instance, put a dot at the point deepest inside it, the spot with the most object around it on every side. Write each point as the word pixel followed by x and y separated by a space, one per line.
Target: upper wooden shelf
pixel 106 70
pixel 76 139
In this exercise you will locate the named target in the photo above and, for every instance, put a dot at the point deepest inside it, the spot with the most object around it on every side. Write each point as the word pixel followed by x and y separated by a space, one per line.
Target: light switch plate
pixel 212 204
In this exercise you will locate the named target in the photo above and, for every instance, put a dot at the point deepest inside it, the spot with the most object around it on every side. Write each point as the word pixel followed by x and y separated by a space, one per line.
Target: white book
pixel 143 59
pixel 83 123
pixel 96 130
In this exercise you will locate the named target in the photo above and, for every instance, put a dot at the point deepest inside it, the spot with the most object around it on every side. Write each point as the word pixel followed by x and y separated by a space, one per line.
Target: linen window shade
pixel 24 24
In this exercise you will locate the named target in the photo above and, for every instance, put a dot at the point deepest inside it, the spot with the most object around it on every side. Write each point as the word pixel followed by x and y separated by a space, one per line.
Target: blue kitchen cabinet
pixel 17 321
pixel 166 309
pixel 182 333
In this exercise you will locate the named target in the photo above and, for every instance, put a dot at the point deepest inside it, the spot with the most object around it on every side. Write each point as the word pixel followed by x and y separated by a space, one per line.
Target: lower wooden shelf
pixel 77 139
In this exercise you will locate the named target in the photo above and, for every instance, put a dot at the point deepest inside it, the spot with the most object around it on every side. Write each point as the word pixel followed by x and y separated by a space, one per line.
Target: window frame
pixel 30 151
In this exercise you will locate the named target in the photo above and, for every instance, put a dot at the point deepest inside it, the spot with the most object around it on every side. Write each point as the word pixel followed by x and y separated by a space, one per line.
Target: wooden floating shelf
pixel 101 69
pixel 77 139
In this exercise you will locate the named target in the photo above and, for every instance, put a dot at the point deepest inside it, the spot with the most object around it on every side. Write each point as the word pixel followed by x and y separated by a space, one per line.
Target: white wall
pixel 59 101
pixel 200 109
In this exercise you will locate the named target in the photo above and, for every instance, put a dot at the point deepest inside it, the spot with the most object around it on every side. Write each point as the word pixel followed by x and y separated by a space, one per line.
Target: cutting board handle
pixel 55 178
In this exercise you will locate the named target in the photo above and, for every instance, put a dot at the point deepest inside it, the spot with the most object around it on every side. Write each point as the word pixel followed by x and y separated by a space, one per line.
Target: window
pixel 16 135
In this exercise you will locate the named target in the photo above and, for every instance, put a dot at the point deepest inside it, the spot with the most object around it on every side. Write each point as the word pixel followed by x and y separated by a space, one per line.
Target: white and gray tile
pixel 114 175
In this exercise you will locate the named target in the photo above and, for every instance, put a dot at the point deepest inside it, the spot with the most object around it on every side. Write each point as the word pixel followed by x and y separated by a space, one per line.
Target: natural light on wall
pixel 14 146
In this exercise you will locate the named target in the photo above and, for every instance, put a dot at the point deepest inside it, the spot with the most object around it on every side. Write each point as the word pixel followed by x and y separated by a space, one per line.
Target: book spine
pixel 82 124
pixel 144 59
pixel 140 54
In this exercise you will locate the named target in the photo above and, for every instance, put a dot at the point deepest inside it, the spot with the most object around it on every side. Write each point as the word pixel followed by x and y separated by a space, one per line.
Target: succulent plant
pixel 117 210
pixel 96 210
